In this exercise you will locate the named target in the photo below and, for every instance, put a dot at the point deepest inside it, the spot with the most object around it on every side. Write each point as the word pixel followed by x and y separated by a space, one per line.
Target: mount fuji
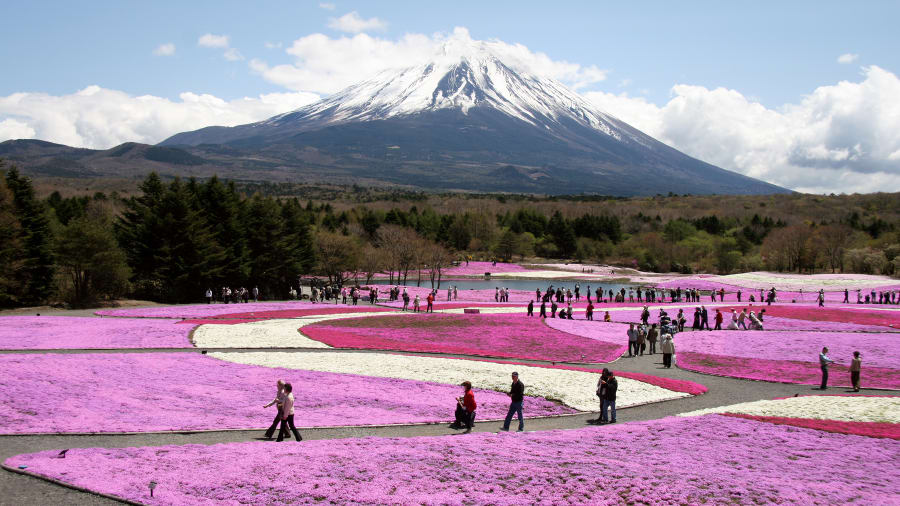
pixel 470 119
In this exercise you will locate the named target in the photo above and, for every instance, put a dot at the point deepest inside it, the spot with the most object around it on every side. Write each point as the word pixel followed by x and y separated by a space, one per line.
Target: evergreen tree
pixel 35 275
pixel 142 236
pixel 11 257
pixel 221 207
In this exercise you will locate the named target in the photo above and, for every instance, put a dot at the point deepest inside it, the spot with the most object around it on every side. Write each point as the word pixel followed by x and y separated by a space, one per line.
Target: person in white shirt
pixel 209 295
pixel 278 401
pixel 287 415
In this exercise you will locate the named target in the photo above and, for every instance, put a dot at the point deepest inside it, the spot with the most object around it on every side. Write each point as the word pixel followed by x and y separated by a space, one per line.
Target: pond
pixel 517 284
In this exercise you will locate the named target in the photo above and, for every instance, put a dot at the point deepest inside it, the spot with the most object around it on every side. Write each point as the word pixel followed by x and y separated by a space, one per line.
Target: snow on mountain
pixel 465 74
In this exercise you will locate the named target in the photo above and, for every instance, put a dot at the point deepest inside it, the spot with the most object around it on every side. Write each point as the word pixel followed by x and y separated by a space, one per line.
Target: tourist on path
pixel 531 308
pixel 668 349
pixel 652 336
pixel 278 401
pixel 641 340
pixel 287 415
pixel 609 398
pixel 430 300
pixel 704 318
pixel 821 298
pixel 416 304
pixel 543 310
pixel 589 311
pixel 465 408
pixel 696 324
pixel 516 397
pixel 632 340
pixel 824 361
pixel 855 367
pixel 719 319
pixel 601 395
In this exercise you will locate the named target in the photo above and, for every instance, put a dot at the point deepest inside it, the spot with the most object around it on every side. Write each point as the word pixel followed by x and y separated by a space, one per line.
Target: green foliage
pixel 33 278
pixel 91 264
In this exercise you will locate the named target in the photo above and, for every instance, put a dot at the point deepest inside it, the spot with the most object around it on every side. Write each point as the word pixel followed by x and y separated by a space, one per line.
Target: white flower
pixel 281 333
pixel 573 388
pixel 819 407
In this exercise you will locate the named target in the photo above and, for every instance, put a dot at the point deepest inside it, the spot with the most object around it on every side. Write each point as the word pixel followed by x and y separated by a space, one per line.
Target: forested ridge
pixel 174 238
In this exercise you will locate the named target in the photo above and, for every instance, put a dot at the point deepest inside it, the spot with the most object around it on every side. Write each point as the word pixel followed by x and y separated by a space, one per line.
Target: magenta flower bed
pixel 479 268
pixel 70 332
pixel 868 429
pixel 784 371
pixel 520 297
pixel 879 350
pixel 779 323
pixel 493 335
pixel 877 317
pixel 614 334
pixel 711 459
pixel 221 310
pixel 187 391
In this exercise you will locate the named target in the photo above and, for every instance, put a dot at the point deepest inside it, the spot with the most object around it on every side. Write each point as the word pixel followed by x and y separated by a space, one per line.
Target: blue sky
pixel 772 51
pixel 700 67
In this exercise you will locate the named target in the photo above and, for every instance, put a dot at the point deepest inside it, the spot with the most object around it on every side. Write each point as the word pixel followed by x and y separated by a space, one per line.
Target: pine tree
pixel 141 235
pixel 35 275
pixel 11 257
pixel 221 207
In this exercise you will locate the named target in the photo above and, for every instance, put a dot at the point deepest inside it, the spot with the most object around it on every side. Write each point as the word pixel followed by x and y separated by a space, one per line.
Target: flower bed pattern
pixel 73 332
pixel 783 371
pixel 856 408
pixel 867 429
pixel 574 387
pixel 187 391
pixel 265 333
pixel 495 335
pixel 731 460
pixel 239 311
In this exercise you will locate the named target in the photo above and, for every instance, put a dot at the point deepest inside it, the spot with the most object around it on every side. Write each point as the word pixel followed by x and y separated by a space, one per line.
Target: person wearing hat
pixel 516 397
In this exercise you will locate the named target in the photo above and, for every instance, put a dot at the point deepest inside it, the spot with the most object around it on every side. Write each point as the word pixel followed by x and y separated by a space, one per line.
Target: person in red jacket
pixel 719 318
pixel 430 307
pixel 465 408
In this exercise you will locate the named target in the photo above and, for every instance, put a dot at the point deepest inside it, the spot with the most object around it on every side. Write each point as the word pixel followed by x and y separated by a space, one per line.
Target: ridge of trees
pixel 175 238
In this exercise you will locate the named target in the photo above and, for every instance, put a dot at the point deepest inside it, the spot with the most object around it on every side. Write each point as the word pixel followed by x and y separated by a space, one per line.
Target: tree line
pixel 174 238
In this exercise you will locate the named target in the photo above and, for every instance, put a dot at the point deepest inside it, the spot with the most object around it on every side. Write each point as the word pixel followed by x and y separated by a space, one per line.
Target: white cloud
pixel 352 22
pixel 273 45
pixel 14 129
pixel 232 54
pixel 840 138
pixel 215 41
pixel 100 118
pixel 847 58
pixel 167 49
pixel 328 6
pixel 324 65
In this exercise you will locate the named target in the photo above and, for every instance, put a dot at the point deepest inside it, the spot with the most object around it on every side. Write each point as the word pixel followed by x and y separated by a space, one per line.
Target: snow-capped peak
pixel 463 74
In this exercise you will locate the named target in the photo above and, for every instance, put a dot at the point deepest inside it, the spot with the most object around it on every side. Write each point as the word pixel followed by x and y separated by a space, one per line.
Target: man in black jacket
pixel 516 396
pixel 609 397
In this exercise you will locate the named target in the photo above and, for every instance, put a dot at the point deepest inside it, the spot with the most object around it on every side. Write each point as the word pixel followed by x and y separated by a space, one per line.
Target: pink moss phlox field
pixel 487 295
pixel 838 314
pixel 784 371
pixel 712 459
pixel 479 268
pixel 166 391
pixel 878 349
pixel 222 310
pixel 73 332
pixel 494 335
pixel 607 333
pixel 868 429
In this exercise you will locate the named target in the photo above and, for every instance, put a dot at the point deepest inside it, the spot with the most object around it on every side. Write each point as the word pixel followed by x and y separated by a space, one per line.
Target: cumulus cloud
pixel 167 49
pixel 352 22
pixel 328 6
pixel 214 41
pixel 100 118
pixel 847 58
pixel 232 54
pixel 324 65
pixel 839 138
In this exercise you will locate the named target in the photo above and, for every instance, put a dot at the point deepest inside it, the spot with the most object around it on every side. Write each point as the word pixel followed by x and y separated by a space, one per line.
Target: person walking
pixel 823 362
pixel 645 315
pixel 416 304
pixel 704 318
pixel 278 402
pixel 719 319
pixel 287 415
pixel 609 398
pixel 668 349
pixel 632 340
pixel 652 336
pixel 255 294
pixel 641 340
pixel 855 368
pixel 589 311
pixel 696 324
pixel 821 298
pixel 601 395
pixel 516 397
pixel 209 295
pixel 742 317
pixel 543 313
pixel 531 308
pixel 429 308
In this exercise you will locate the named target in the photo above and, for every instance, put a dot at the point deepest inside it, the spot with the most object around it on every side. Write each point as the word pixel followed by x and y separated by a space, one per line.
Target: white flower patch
pixel 545 275
pixel 279 333
pixel 573 388
pixel 787 282
pixel 819 407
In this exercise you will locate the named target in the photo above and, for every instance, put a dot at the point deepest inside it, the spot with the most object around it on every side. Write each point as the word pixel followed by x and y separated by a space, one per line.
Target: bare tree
pixel 338 256
pixel 438 259
pixel 833 240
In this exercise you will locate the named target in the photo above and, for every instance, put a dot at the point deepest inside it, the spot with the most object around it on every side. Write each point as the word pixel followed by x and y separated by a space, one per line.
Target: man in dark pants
pixel 609 398
pixel 531 308
pixel 516 396
pixel 287 415
pixel 824 361
pixel 846 296
pixel 704 318
pixel 543 310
